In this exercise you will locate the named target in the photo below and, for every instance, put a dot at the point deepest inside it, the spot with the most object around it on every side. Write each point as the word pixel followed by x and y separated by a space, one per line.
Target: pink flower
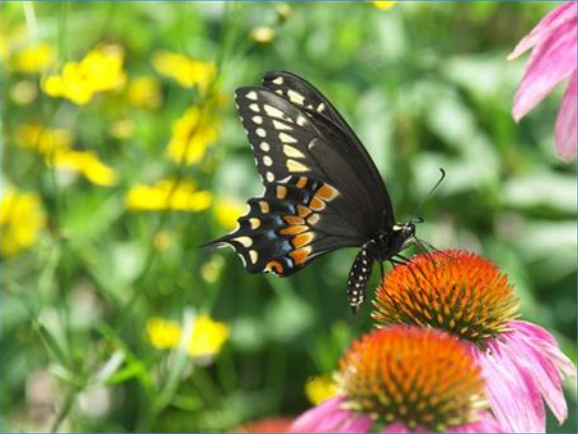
pixel 467 296
pixel 404 379
pixel 553 60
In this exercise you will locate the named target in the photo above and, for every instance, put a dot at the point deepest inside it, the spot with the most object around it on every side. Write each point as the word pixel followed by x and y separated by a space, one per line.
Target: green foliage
pixel 424 84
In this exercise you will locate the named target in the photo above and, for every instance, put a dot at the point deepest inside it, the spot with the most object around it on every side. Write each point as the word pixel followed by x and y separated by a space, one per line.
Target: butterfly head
pixel 390 243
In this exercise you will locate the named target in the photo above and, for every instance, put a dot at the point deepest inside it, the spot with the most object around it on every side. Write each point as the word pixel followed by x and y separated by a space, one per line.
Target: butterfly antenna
pixel 414 218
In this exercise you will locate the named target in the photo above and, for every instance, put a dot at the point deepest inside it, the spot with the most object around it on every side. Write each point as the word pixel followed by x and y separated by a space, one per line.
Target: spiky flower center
pixel 453 290
pixel 423 378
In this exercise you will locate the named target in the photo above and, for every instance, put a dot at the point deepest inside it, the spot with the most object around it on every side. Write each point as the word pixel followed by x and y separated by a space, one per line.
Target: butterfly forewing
pixel 293 223
pixel 287 142
pixel 303 94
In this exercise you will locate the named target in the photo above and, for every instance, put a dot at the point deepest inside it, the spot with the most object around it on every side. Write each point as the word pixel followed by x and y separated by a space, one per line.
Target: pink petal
pixel 330 417
pixel 545 28
pixel 542 358
pixel 396 428
pixel 484 424
pixel 566 123
pixel 513 398
pixel 552 61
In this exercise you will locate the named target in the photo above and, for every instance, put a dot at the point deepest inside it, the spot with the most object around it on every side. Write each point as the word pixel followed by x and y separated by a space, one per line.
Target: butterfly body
pixel 322 190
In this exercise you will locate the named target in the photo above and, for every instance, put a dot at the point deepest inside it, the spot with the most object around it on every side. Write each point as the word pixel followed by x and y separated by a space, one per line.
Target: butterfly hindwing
pixel 294 222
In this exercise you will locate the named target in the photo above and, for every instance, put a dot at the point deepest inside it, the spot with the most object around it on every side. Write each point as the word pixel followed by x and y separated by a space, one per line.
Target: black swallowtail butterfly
pixel 322 190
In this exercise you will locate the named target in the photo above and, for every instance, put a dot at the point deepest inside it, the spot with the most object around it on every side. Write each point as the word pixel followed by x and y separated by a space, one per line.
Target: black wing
pixel 294 222
pixel 320 192
pixel 303 94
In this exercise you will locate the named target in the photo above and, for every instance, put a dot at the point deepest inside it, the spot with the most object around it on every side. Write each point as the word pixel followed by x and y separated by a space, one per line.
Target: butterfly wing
pixel 304 95
pixel 294 222
pixel 287 142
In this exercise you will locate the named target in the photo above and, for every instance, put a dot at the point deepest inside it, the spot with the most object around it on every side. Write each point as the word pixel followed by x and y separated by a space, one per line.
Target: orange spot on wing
pixel 292 220
pixel 302 239
pixel 294 230
pixel 301 255
pixel 303 211
pixel 316 204
pixel 264 207
pixel 274 267
pixel 302 182
pixel 281 192
pixel 327 193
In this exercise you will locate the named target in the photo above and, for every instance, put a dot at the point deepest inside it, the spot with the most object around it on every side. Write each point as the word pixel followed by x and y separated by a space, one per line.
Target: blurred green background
pixel 101 274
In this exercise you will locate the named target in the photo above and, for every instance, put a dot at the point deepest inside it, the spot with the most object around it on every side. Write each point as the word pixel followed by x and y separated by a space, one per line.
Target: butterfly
pixel 322 190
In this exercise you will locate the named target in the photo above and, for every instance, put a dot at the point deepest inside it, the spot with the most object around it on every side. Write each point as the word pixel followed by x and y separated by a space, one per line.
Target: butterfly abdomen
pixel 358 277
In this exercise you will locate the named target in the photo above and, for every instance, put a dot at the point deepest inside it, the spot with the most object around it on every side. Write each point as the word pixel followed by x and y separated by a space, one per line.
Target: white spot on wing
pixel 295 97
pixel 257 119
pixel 270 177
pixel 252 95
pixel 281 126
pixel 273 112
pixel 278 80
pixel 254 107
pixel 292 152
pixel 265 147
pixel 267 161
pixel 260 132
pixel 286 138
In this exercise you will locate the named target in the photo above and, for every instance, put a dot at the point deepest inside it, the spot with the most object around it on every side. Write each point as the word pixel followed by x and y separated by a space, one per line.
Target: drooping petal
pixel 515 402
pixel 396 428
pixel 484 423
pixel 566 123
pixel 330 417
pixel 548 371
pixel 545 28
pixel 551 62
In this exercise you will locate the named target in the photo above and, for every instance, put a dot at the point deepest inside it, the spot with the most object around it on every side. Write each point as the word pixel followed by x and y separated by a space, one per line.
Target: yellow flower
pixel 192 134
pixel 166 194
pixel 21 219
pixel 263 34
pixel 208 336
pixel 383 5
pixel 43 139
pixel 101 70
pixel 85 163
pixel 33 59
pixel 320 388
pixel 186 71
pixel 144 92
pixel 227 211
pixel 122 129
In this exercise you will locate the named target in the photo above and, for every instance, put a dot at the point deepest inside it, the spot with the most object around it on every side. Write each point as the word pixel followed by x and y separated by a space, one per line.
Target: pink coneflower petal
pixel 551 61
pixel 396 428
pixel 484 423
pixel 566 123
pixel 548 25
pixel 515 405
pixel 330 417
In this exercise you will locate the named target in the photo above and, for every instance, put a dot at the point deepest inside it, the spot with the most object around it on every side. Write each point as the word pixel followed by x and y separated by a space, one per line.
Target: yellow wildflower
pixel 144 92
pixel 23 92
pixel 263 34
pixel 166 194
pixel 42 139
pixel 122 129
pixel 33 59
pixel 85 163
pixel 99 71
pixel 227 211
pixel 186 71
pixel 192 134
pixel 208 336
pixel 383 5
pixel 21 219
pixel 320 388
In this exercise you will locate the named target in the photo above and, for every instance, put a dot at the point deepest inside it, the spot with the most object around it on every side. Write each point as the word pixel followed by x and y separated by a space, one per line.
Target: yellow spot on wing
pixel 264 206
pixel 295 166
pixel 313 219
pixel 292 152
pixel 254 256
pixel 245 241
pixel 255 223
